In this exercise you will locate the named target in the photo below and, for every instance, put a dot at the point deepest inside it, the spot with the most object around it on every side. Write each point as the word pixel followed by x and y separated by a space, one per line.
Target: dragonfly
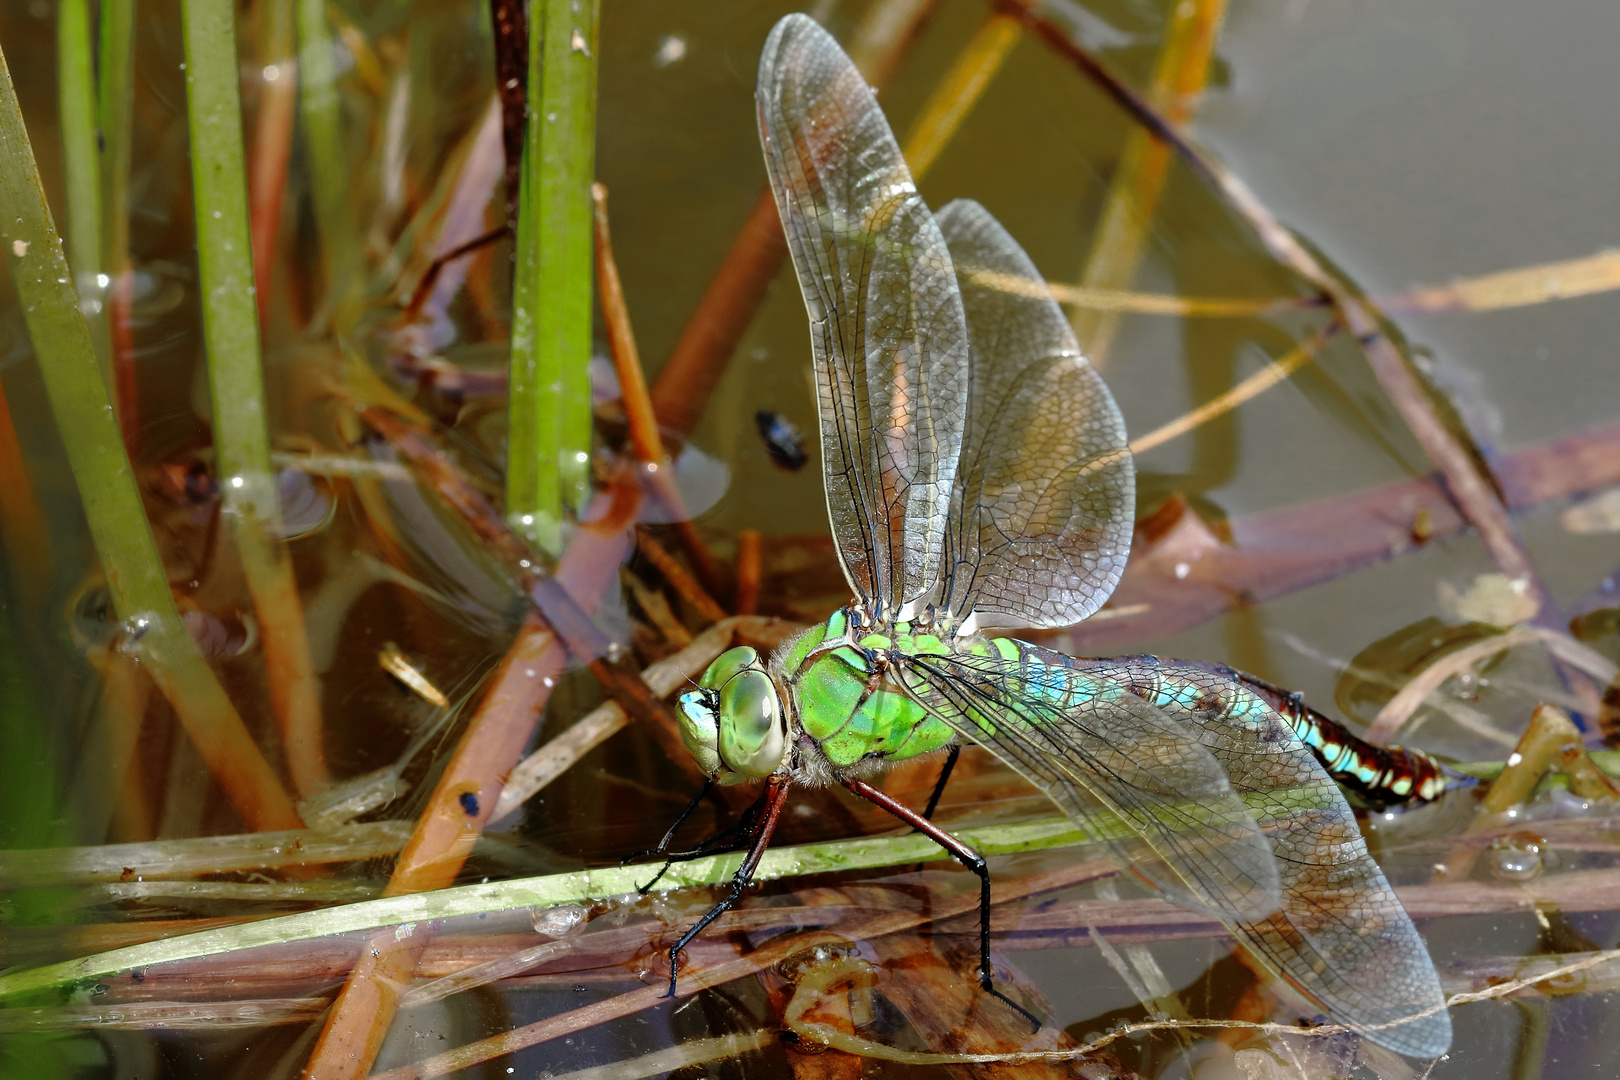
pixel 978 478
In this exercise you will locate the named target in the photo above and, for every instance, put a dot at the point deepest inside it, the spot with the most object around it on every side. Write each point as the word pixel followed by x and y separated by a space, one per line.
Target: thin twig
pixel 44 868
pixel 679 579
pixel 1278 371
pixel 1399 708
pixel 645 441
pixel 511 86
pixel 424 287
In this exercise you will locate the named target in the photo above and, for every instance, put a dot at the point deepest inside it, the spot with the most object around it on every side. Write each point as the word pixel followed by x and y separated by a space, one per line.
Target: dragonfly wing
pixel 886 324
pixel 1043 508
pixel 1085 741
pixel 1341 936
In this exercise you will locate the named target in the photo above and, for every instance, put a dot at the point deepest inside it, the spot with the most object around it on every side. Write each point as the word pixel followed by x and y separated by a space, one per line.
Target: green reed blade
pixel 81 168
pixel 543 892
pixel 112 504
pixel 247 482
pixel 115 106
pixel 549 404
pixel 321 120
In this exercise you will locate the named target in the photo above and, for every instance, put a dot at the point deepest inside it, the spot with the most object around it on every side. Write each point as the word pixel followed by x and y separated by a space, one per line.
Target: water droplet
pixel 1517 857
pixel 670 50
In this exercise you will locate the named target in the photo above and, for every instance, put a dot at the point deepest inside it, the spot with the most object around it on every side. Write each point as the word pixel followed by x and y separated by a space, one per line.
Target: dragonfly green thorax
pixel 827 703
pixel 977 474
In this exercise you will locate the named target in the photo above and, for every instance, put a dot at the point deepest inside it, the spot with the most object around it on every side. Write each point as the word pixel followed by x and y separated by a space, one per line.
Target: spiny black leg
pixel 944 778
pixel 776 790
pixel 738 834
pixel 669 837
pixel 968 858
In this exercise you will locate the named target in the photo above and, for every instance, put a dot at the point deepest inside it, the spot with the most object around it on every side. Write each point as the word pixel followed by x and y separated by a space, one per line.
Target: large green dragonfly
pixel 978 476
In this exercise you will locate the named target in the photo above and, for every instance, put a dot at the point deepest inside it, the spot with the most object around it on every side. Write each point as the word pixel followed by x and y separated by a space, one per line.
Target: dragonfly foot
pixel 1034 1024
pixel 643 890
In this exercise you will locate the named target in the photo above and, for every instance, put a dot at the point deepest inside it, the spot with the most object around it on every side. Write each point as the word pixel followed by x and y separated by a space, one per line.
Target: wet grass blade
pixel 118 526
pixel 543 892
pixel 322 125
pixel 81 169
pixel 115 108
pixel 548 440
pixel 247 483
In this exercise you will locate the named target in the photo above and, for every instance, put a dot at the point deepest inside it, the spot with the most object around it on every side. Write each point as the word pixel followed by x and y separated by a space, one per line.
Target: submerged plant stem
pixel 118 526
pixel 247 482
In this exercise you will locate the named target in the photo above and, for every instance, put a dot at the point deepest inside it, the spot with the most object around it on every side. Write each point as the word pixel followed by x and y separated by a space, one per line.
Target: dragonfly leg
pixel 771 803
pixel 968 858
pixel 944 778
pixel 669 837
pixel 738 834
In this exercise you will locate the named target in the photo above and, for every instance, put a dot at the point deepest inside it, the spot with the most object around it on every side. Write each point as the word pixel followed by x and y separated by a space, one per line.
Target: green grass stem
pixel 112 504
pixel 321 121
pixel 247 482
pixel 81 167
pixel 115 84
pixel 115 117
pixel 549 403
pixel 542 892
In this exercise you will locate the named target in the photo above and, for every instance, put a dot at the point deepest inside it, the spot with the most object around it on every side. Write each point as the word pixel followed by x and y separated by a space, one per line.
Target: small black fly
pixel 782 440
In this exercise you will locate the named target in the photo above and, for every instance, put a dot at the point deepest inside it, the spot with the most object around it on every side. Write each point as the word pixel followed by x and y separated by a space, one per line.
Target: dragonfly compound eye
pixel 753 739
pixel 730 663
pixel 700 728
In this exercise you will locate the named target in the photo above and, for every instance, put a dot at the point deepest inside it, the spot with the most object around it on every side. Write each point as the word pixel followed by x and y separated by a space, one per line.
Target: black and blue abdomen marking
pixel 1214 694
pixel 1380 776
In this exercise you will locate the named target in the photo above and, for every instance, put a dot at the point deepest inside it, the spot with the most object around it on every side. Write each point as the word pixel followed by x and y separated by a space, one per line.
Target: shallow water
pixel 1407 145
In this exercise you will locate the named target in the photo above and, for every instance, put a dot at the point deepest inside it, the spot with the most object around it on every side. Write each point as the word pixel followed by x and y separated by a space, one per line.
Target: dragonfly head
pixel 733 724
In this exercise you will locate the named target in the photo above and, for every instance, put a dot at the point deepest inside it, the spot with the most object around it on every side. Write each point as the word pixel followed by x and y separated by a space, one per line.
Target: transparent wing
pixel 1045 498
pixel 1341 935
pixel 886 324
pixel 1086 742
